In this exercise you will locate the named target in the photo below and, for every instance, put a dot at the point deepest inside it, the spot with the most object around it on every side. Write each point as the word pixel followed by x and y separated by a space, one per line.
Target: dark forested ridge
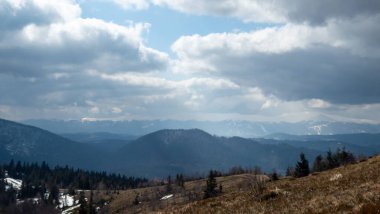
pixel 195 151
pixel 31 144
pixel 40 175
pixel 41 187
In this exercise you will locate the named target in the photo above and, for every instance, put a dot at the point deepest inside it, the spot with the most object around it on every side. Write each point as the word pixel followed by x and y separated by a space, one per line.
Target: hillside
pixel 194 151
pixel 28 143
pixel 349 189
pixel 353 188
pixel 158 154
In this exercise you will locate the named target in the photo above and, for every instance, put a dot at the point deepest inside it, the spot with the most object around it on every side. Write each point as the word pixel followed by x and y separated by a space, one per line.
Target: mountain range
pixel 227 128
pixel 170 151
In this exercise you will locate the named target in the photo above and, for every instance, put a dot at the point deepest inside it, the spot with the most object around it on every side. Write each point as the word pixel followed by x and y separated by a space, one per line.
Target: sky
pixel 283 60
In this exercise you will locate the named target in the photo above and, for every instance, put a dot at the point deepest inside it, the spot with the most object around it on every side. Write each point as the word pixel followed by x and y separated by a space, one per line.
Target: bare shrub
pixel 257 185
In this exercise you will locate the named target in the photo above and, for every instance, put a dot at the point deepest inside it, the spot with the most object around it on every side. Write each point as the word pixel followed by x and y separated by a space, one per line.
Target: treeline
pixel 321 163
pixel 36 175
pixel 43 182
pixel 333 160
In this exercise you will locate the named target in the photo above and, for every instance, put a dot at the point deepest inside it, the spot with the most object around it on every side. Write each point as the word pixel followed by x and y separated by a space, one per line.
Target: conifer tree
pixel 344 157
pixel 211 185
pixel 302 167
pixel 318 164
pixel 332 162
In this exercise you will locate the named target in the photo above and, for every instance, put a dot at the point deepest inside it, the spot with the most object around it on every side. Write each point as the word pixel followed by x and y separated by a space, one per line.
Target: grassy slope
pixel 357 191
pixel 193 191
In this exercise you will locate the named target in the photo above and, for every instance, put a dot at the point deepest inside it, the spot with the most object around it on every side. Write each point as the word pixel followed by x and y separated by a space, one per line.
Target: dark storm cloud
pixel 314 12
pixel 324 73
pixel 338 62
pixel 320 11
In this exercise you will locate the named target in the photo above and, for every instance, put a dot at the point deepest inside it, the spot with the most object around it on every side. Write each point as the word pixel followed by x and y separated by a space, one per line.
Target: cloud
pixel 57 64
pixel 243 9
pixel 337 62
pixel 47 50
pixel 60 41
pixel 280 11
pixel 20 13
pixel 133 4
pixel 318 103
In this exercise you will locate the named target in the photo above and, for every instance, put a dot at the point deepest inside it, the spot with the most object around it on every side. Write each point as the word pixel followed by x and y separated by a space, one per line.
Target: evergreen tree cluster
pixel 238 170
pixel 41 175
pixel 41 181
pixel 332 160
pixel 321 163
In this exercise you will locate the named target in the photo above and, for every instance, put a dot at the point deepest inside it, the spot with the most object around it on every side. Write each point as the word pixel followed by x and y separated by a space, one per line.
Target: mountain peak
pixel 169 136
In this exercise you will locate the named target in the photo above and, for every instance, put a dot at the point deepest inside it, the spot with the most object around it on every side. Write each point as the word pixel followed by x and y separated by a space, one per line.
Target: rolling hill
pixel 31 144
pixel 195 151
pixel 351 188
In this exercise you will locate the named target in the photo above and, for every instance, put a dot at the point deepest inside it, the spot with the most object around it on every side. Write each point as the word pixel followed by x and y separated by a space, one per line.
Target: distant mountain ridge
pixel 361 139
pixel 228 128
pixel 97 137
pixel 168 151
pixel 28 143
pixel 195 151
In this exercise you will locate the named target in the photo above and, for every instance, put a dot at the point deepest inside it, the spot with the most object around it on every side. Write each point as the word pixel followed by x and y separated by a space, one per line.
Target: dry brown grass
pixel 357 190
pixel 349 189
pixel 193 191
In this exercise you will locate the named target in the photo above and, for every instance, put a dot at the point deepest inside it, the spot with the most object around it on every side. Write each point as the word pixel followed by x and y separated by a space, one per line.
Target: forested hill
pixel 31 144
pixel 195 151
pixel 40 188
pixel 65 177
